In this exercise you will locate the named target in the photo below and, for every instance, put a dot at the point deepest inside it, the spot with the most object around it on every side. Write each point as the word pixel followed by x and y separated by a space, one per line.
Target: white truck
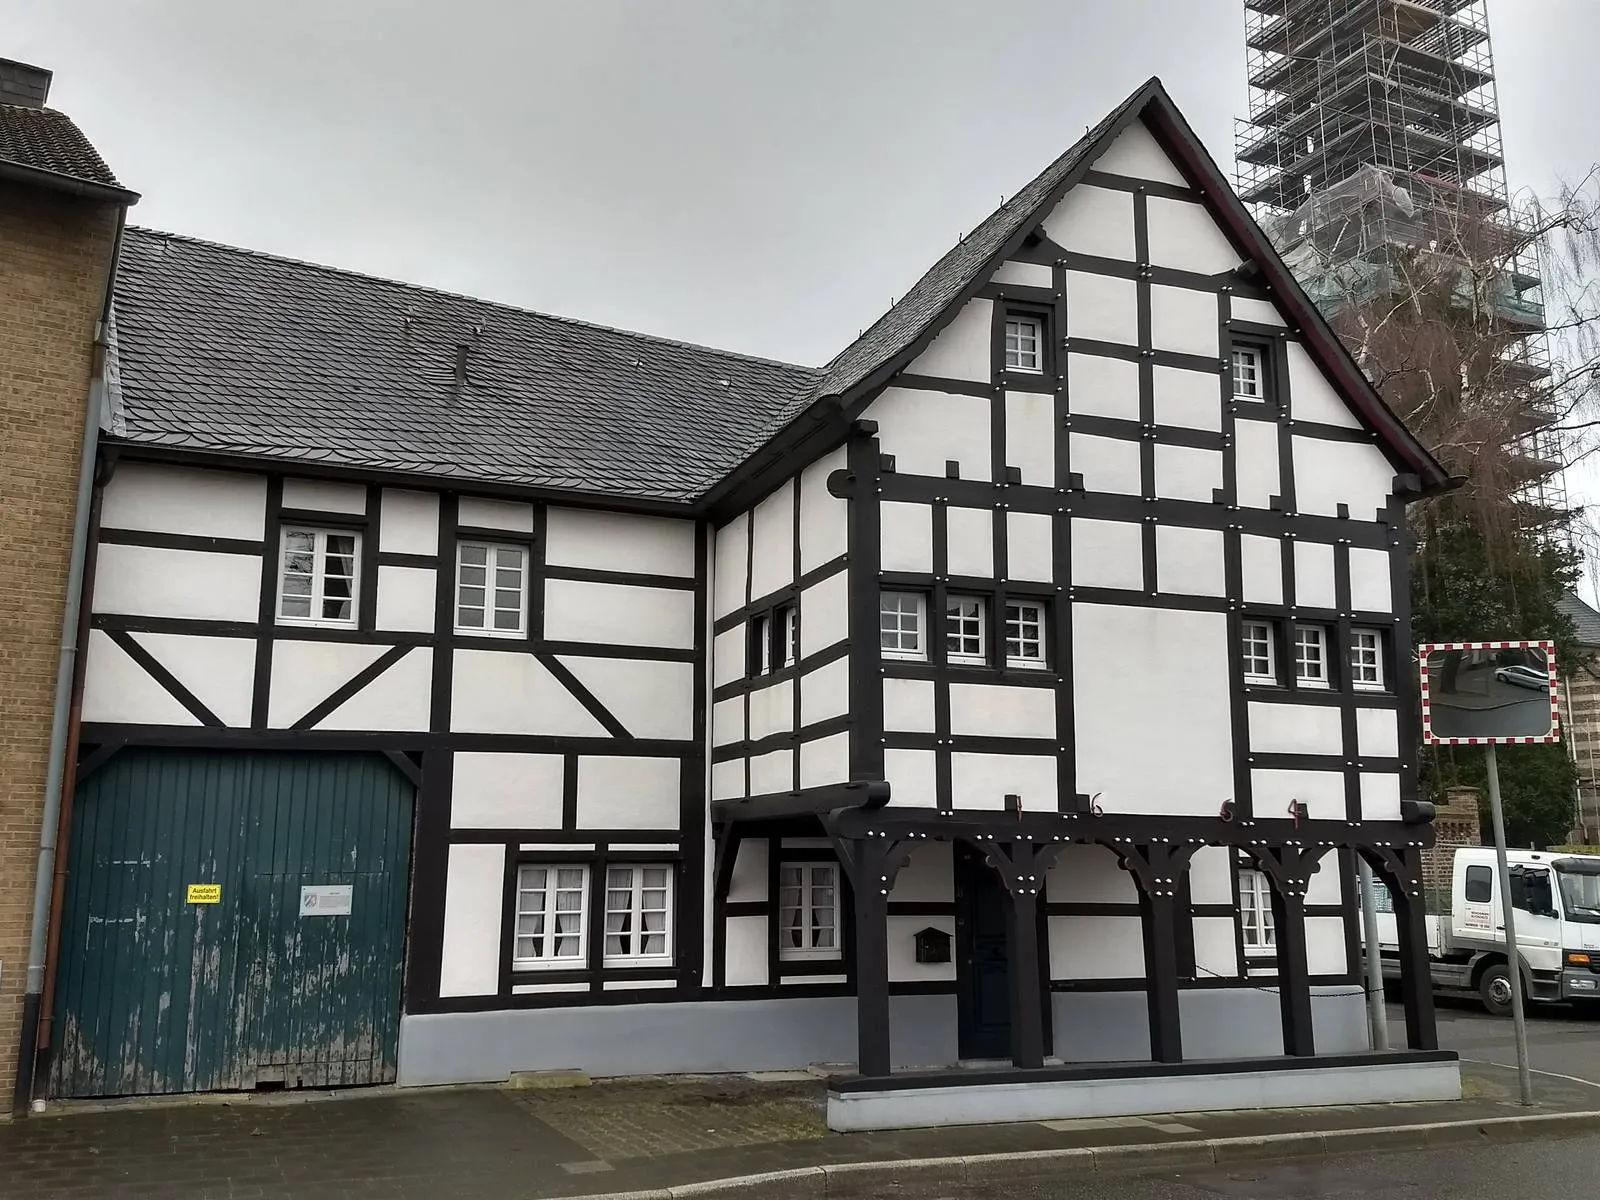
pixel 1557 902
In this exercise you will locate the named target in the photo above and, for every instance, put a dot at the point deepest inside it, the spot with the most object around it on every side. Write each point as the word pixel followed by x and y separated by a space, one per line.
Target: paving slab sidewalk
pixel 661 1138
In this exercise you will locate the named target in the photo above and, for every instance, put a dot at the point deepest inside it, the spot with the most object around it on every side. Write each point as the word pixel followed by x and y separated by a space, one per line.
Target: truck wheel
pixel 1495 989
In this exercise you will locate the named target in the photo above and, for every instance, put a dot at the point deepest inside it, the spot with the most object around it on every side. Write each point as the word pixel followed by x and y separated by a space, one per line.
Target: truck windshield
pixel 1580 893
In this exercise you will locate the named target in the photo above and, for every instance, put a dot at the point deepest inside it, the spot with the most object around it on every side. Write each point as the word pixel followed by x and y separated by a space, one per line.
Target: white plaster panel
pixel 1262 560
pixel 727 721
pixel 1324 886
pixel 325 495
pixel 1030 547
pixel 1167 667
pixel 1313 575
pixel 1295 729
pixel 772 772
pixel 729 566
pixel 1216 952
pixel 1211 876
pixel 152 582
pixel 912 777
pixel 969 537
pixel 1311 396
pixel 1185 321
pixel 474 893
pixel 407 599
pixel 824 518
pixel 218 671
pixel 409 522
pixel 1108 554
pixel 908 705
pixel 727 779
pixel 304 674
pixel 745 951
pixel 928 878
pixel 982 781
pixel 399 699
pixel 825 760
pixel 618 614
pixel 1190 561
pixel 1189 399
pixel 1380 796
pixel 1255 450
pixel 1326 952
pixel 607 541
pixel 924 430
pixel 1377 733
pixel 1102 308
pixel 118 690
pixel 771 709
pixel 1094 220
pixel 1031 436
pixel 996 710
pixel 1322 792
pixel 961 349
pixel 1083 873
pixel 1107 464
pixel 1183 235
pixel 651 699
pixel 1327 474
pixel 907 536
pixel 729 655
pixel 163 499
pixel 505 791
pixel 1102 387
pixel 617 792
pixel 1187 473
pixel 1027 274
pixel 510 515
pixel 493 691
pixel 1369 581
pixel 1083 947
pixel 825 614
pixel 903 964
pixel 748 883
pixel 825 692
pixel 772 560
pixel 1262 312
pixel 1137 155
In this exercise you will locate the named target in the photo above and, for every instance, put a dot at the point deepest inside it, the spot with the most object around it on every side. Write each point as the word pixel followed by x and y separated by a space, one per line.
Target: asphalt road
pixel 1559 1040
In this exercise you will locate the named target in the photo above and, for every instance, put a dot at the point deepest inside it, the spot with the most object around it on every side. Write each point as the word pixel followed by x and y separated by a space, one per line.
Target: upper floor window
pixel 1255 912
pixel 965 618
pixel 1311 655
pixel 774 639
pixel 808 910
pixel 318 581
pixel 788 621
pixel 902 618
pixel 1024 343
pixel 491 589
pixel 761 643
pixel 1257 650
pixel 1025 633
pixel 1366 659
pixel 1249 373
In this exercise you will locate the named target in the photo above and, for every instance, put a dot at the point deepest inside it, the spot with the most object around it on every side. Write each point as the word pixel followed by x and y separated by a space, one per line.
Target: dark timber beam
pixel 1157 868
pixel 1401 872
pixel 1022 866
pixel 1289 869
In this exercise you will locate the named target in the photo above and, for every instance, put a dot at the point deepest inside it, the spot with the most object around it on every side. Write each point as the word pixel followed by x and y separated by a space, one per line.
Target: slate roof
pixel 1586 619
pixel 42 139
pixel 228 350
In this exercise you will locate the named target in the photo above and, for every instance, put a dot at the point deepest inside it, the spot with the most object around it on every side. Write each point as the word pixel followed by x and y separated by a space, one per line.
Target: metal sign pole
pixel 1514 959
pixel 1377 1018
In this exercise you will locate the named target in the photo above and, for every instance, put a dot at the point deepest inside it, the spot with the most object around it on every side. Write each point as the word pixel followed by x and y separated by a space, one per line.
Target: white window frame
pixel 1358 662
pixel 634 913
pixel 491 565
pixel 1040 621
pixel 918 610
pixel 761 644
pixel 1020 327
pixel 319 576
pixel 1257 931
pixel 1252 633
pixel 788 621
pixel 811 876
pixel 1255 360
pixel 958 626
pixel 1301 678
pixel 549 911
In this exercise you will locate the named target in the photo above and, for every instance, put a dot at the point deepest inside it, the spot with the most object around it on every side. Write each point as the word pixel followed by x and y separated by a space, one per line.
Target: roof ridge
pixel 347 273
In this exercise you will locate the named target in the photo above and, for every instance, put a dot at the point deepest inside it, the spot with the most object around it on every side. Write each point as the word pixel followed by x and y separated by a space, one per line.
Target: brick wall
pixel 54 250
pixel 1455 825
pixel 1580 726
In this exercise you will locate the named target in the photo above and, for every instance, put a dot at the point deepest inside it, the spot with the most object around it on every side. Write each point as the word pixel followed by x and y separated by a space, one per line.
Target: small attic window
pixel 1024 343
pixel 1249 372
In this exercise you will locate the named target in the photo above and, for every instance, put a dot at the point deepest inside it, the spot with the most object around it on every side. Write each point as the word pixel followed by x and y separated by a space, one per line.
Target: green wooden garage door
pixel 274 983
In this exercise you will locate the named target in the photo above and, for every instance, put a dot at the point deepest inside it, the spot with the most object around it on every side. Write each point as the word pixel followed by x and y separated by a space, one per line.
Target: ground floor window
pixel 808 911
pixel 551 907
pixel 638 915
pixel 1255 912
pixel 553 916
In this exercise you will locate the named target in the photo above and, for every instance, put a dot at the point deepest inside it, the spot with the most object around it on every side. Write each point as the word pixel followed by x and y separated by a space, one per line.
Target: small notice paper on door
pixel 326 900
pixel 204 893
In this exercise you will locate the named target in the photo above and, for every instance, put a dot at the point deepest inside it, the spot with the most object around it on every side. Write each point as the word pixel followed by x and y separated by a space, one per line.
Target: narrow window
pixel 900 624
pixel 1258 664
pixel 788 622
pixel 1248 380
pixel 1311 655
pixel 760 644
pixel 491 589
pixel 551 910
pixel 318 583
pixel 1024 344
pixel 1366 660
pixel 1025 634
pixel 808 910
pixel 1255 912
pixel 965 618
pixel 638 916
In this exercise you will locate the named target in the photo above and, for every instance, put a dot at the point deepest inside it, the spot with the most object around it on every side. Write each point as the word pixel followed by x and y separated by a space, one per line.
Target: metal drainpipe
pixel 66 665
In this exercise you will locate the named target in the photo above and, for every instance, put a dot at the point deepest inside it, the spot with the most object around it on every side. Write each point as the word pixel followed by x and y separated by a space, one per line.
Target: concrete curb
pixel 913 1176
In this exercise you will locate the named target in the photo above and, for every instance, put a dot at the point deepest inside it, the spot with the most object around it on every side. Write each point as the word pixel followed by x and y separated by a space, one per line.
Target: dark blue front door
pixel 983 978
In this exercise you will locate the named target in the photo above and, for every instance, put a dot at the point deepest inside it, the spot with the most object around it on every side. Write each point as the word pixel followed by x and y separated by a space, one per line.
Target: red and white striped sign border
pixel 1428 735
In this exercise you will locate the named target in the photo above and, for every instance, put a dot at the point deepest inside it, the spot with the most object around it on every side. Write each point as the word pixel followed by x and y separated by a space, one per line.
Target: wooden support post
pixel 1158 913
pixel 872 959
pixel 1294 977
pixel 1416 976
pixel 1027 1011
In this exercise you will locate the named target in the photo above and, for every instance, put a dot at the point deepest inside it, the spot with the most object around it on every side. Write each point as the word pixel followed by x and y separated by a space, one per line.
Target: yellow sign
pixel 204 893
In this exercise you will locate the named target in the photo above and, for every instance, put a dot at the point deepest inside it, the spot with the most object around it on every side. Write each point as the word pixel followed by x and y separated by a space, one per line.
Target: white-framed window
pixel 902 617
pixel 965 619
pixel 552 915
pixel 788 618
pixel 491 589
pixel 1024 344
pixel 808 910
pixel 1249 382
pixel 1255 912
pixel 1256 648
pixel 638 915
pixel 317 576
pixel 1025 633
pixel 760 644
pixel 1366 659
pixel 1311 655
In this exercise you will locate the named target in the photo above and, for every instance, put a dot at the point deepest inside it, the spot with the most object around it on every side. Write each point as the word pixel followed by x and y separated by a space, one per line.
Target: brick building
pixel 61 212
